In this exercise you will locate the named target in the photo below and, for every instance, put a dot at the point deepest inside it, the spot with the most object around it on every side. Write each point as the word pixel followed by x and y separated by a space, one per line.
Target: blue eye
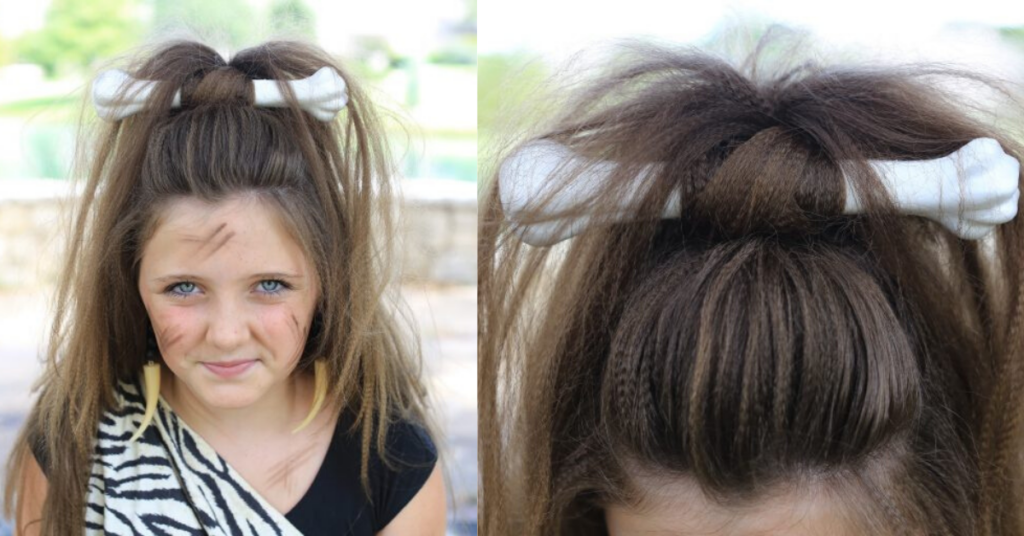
pixel 272 286
pixel 183 289
pixel 267 287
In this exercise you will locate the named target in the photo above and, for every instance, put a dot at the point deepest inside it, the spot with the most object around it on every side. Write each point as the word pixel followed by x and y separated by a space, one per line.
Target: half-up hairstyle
pixel 331 183
pixel 763 339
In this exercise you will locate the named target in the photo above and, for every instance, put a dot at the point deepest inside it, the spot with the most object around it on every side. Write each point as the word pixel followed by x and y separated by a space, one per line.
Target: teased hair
pixel 763 338
pixel 332 185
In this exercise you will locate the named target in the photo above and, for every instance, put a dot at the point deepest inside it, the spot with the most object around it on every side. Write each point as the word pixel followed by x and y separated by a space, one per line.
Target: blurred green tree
pixel 504 82
pixel 6 51
pixel 292 17
pixel 76 33
pixel 222 22
pixel 1013 35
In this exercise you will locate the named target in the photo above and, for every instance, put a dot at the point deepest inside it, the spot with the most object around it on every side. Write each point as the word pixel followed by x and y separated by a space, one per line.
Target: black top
pixel 336 503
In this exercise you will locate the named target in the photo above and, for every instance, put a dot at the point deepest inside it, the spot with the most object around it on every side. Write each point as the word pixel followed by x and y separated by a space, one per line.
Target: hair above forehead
pixel 757 357
pixel 763 336
pixel 213 150
pixel 762 364
pixel 217 139
pixel 217 144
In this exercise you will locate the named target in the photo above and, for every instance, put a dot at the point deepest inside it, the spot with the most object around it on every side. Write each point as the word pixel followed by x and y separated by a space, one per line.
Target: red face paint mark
pixel 170 336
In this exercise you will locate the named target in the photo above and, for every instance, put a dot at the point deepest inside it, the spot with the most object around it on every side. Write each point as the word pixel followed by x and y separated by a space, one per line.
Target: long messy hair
pixel 331 183
pixel 763 338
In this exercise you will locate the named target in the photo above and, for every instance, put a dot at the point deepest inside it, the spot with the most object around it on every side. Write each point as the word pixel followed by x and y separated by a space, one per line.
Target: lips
pixel 229 363
pixel 230 369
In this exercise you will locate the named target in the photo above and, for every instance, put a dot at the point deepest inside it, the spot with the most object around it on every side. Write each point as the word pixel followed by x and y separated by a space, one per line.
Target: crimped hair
pixel 763 338
pixel 331 183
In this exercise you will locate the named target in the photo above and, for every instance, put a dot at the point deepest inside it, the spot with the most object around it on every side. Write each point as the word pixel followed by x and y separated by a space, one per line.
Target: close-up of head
pixel 228 259
pixel 227 191
pixel 228 290
pixel 756 296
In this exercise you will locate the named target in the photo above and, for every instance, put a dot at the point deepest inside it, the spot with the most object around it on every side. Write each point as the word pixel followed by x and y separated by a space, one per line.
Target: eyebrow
pixel 193 277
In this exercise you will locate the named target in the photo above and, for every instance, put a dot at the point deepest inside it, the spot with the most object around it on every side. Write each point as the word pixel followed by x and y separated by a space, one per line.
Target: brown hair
pixel 331 182
pixel 763 338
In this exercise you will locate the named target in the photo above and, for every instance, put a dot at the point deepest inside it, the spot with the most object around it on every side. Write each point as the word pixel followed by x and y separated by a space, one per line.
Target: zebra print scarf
pixel 170 481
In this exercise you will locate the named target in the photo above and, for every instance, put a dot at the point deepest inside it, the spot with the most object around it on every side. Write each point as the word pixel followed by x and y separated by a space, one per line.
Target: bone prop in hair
pixel 117 95
pixel 969 191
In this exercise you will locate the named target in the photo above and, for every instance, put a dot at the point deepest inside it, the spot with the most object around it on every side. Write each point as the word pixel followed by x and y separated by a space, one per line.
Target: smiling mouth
pixel 228 363
pixel 227 369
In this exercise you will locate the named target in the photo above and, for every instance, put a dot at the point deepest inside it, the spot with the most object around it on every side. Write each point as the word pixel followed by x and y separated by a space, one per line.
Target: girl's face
pixel 230 296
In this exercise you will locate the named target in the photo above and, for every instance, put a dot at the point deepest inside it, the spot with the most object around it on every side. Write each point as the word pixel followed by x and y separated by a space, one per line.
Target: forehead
pixel 678 507
pixel 237 232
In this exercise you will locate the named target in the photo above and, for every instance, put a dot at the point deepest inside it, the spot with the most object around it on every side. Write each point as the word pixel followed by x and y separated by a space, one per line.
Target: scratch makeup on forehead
pixel 220 240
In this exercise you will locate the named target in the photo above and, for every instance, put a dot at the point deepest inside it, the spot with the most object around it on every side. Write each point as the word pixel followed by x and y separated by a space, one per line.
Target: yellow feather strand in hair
pixel 151 372
pixel 319 392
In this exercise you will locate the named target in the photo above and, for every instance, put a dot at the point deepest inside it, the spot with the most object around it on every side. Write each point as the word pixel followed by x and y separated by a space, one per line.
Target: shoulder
pixel 33 488
pixel 424 514
pixel 397 473
pixel 408 444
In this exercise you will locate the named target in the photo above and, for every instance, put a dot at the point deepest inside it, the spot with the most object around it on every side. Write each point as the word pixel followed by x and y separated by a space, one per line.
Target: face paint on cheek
pixel 172 335
pixel 169 337
pixel 296 328
pixel 280 329
pixel 173 327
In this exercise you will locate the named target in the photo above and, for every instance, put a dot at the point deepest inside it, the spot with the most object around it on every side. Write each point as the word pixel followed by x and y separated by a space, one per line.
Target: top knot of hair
pixel 225 85
pixel 774 182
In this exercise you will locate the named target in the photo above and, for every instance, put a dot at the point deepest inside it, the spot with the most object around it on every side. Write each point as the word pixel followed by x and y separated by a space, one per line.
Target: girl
pixel 228 242
pixel 773 313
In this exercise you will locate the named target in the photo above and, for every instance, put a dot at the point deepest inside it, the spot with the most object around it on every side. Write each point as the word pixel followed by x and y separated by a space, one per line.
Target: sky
pixel 18 17
pixel 559 27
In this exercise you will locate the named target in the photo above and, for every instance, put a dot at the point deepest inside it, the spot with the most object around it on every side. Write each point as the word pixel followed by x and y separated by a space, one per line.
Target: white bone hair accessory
pixel 117 95
pixel 969 191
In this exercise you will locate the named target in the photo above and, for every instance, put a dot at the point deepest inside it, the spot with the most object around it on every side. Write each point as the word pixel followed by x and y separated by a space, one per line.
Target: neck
pixel 274 415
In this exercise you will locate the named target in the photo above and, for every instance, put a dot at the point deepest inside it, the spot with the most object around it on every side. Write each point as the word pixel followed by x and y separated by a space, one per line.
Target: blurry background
pixel 420 55
pixel 525 44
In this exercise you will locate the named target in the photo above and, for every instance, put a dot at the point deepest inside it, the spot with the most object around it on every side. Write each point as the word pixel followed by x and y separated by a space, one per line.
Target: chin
pixel 230 396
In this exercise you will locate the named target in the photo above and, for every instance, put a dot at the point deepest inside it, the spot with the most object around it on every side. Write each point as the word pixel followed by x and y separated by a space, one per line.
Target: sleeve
pixel 412 456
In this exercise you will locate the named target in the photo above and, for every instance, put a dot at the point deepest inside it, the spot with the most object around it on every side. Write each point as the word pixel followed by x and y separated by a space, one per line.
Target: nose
pixel 228 327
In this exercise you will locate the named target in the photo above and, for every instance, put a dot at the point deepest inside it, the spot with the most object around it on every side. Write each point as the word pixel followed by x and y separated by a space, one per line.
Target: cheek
pixel 282 328
pixel 286 329
pixel 176 329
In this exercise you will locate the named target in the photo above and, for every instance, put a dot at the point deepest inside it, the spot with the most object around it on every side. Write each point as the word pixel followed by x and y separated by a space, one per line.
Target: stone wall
pixel 439 224
pixel 438 242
